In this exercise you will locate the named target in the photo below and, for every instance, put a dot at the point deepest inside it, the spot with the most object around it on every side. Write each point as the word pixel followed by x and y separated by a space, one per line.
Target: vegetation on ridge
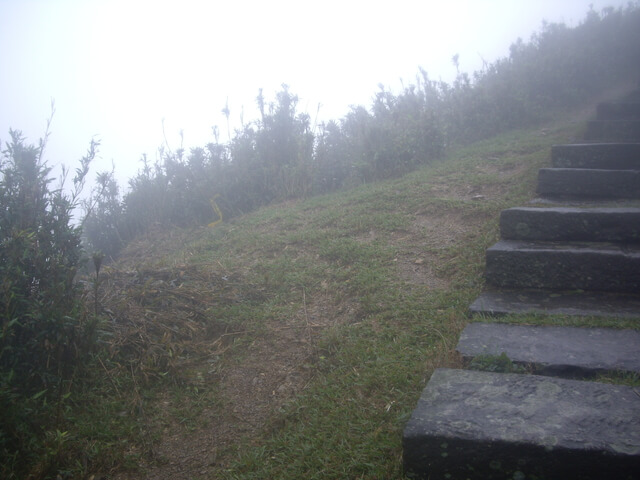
pixel 282 156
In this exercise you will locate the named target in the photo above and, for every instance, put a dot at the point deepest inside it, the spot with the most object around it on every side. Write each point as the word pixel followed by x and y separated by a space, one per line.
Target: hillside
pixel 272 305
pixel 293 342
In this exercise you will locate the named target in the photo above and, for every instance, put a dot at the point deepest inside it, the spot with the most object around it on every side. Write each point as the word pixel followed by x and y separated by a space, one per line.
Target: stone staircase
pixel 573 251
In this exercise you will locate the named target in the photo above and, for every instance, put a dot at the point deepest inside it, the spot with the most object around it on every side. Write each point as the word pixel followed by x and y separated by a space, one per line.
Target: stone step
pixel 554 302
pixel 482 425
pixel 607 156
pixel 568 352
pixel 618 111
pixel 564 266
pixel 571 224
pixel 613 131
pixel 588 183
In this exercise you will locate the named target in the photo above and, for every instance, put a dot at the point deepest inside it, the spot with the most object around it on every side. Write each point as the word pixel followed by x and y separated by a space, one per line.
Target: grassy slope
pixel 372 285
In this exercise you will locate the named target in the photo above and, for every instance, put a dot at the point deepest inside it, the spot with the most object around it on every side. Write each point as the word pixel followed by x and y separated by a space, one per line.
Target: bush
pixel 102 224
pixel 41 337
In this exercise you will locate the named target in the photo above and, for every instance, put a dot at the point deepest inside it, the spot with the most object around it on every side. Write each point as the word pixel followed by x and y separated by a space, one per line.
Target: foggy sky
pixel 117 68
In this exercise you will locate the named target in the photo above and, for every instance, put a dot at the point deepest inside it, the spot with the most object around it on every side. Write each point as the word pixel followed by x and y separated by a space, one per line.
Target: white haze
pixel 117 69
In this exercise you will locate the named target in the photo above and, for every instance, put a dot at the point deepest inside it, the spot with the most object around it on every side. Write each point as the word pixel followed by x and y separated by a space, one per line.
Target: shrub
pixel 41 337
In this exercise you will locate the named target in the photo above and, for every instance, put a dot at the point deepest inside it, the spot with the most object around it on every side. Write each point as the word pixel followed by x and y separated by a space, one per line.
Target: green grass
pixel 369 374
pixel 362 256
pixel 103 429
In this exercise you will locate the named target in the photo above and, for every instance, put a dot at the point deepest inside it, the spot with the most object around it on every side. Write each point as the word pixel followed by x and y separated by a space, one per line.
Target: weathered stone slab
pixel 589 183
pixel 564 266
pixel 481 425
pixel 618 111
pixel 613 131
pixel 608 156
pixel 552 302
pixel 562 223
pixel 567 352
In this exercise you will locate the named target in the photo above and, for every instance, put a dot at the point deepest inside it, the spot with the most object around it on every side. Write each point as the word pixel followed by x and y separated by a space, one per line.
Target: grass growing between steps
pixel 336 310
pixel 561 320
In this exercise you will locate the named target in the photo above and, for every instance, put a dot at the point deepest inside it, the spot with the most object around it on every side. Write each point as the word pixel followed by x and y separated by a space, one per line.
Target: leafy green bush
pixel 42 335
